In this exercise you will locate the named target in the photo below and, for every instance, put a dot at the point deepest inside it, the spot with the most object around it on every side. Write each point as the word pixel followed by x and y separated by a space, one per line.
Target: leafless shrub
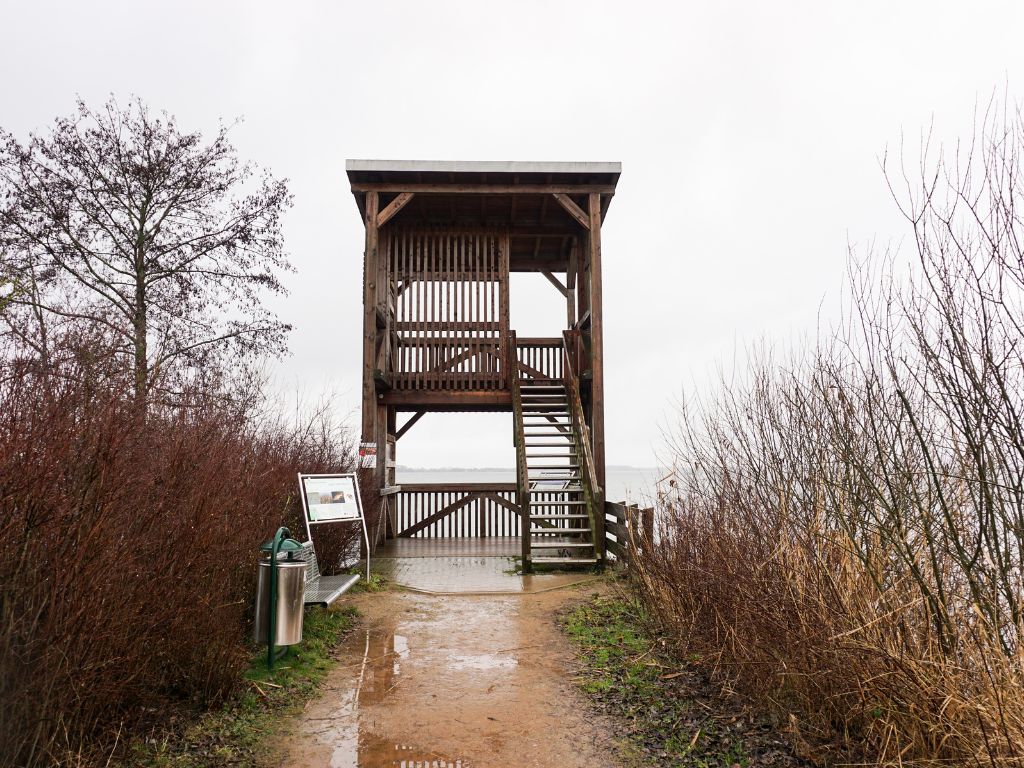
pixel 844 535
pixel 128 547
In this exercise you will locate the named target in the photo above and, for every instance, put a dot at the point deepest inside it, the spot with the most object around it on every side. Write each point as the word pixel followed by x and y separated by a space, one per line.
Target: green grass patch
pixel 626 670
pixel 236 734
pixel 376 583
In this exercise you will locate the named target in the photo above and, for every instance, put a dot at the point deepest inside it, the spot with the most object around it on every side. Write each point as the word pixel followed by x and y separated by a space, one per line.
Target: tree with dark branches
pixel 116 220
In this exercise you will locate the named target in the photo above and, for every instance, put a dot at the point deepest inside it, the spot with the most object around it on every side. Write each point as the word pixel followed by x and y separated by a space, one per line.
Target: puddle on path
pixel 449 682
pixel 337 736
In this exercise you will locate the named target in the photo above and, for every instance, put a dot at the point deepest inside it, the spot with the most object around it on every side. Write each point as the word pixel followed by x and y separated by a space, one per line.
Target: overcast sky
pixel 750 136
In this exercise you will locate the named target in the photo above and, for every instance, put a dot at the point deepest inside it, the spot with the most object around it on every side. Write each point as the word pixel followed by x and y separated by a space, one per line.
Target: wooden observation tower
pixel 441 241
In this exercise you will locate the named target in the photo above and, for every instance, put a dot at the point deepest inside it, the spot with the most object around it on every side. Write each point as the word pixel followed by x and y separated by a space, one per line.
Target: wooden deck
pixel 489 546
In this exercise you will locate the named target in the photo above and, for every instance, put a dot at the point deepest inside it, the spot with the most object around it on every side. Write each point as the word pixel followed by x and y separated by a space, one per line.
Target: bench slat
pixel 327 589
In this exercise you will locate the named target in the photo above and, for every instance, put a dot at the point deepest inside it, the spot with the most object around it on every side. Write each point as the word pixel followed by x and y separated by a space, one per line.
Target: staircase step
pixel 561 544
pixel 550 455
pixel 550 466
pixel 556 516
pixel 570 489
pixel 558 531
pixel 564 560
pixel 565 503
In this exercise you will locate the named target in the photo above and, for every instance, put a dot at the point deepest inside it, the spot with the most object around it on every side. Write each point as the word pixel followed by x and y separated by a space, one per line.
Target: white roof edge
pixel 480 166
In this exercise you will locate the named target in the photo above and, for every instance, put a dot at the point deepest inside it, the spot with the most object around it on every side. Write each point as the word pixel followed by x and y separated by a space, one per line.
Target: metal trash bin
pixel 288 597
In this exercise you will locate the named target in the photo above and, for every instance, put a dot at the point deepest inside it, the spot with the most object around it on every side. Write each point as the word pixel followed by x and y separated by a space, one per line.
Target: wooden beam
pixel 584 321
pixel 555 282
pixel 408 425
pixel 437 400
pixel 596 340
pixel 455 325
pixel 570 274
pixel 538 341
pixel 481 488
pixel 394 207
pixel 369 406
pixel 533 373
pixel 485 189
pixel 570 285
pixel 572 209
pixel 381 380
pixel 561 427
pixel 502 502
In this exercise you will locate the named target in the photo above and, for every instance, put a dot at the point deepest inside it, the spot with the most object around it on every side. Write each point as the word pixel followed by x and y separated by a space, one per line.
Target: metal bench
pixel 323 590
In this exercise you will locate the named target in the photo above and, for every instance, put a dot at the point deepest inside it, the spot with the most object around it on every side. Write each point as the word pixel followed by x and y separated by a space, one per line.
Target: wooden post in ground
pixel 596 338
pixel 370 478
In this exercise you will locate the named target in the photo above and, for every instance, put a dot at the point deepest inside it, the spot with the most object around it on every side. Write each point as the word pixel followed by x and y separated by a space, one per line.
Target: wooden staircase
pixel 555 475
pixel 560 530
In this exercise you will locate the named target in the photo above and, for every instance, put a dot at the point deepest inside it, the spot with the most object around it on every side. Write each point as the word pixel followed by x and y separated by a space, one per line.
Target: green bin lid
pixel 287 545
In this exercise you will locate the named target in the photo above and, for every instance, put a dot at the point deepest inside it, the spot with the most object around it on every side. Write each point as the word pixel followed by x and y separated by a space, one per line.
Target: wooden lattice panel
pixel 447 311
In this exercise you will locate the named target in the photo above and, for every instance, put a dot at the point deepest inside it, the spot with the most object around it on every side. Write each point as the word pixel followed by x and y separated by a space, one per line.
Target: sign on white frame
pixel 333 499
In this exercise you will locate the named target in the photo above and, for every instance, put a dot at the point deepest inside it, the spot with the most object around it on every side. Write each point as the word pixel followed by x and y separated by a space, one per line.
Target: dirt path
pixel 452 681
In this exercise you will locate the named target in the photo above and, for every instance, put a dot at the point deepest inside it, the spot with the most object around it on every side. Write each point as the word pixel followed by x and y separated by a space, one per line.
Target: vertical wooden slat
pixel 504 296
pixel 420 311
pixel 494 311
pixel 465 251
pixel 471 305
pixel 461 287
pixel 449 376
pixel 435 257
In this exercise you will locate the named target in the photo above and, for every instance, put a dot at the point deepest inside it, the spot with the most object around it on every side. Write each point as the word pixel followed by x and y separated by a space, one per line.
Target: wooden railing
pixel 629 530
pixel 539 358
pixel 448 362
pixel 592 492
pixel 445 309
pixel 456 510
pixel 460 510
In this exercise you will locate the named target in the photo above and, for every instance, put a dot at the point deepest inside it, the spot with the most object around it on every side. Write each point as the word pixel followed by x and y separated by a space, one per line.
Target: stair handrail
pixel 522 478
pixel 593 495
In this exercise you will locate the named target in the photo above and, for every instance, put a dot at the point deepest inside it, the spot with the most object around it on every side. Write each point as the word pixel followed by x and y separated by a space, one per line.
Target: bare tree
pixel 117 220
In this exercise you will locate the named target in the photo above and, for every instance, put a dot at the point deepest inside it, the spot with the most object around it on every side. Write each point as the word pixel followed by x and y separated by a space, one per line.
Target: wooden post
pixel 369 432
pixel 596 337
pixel 570 286
pixel 391 454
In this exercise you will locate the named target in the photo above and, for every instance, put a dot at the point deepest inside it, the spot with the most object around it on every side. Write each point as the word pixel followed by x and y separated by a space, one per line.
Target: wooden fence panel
pixel 465 510
pixel 448 318
pixel 539 358
pixel 629 530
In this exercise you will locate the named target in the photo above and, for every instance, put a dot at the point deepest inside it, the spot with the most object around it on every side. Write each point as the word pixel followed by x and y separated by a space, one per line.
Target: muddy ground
pixel 442 681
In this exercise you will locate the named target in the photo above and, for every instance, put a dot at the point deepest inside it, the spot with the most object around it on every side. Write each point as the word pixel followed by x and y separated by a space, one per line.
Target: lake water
pixel 632 484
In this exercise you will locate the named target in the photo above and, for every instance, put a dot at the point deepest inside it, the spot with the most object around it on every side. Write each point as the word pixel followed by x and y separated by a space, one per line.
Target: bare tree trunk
pixel 140 327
